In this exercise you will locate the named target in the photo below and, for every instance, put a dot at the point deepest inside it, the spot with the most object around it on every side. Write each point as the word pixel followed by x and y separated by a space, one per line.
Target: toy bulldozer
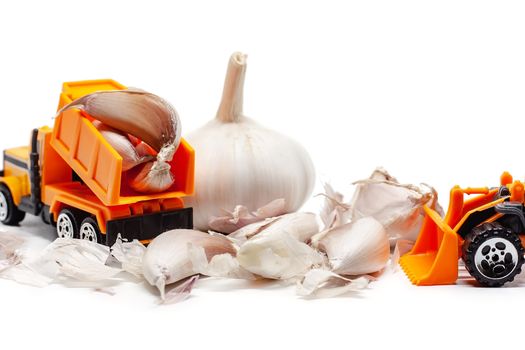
pixel 483 230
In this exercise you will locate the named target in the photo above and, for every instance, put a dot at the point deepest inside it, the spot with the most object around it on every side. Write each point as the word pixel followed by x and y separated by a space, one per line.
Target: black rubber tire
pixel 475 240
pixel 93 222
pixel 74 216
pixel 14 215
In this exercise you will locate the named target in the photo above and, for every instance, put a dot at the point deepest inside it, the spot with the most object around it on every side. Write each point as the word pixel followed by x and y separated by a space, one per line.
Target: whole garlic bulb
pixel 240 162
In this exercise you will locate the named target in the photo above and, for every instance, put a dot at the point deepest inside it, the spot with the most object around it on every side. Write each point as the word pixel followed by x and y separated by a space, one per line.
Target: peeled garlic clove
pixel 123 146
pixel 241 216
pixel 151 177
pixel 278 251
pixel 251 165
pixel 326 284
pixel 221 265
pixel 356 248
pixel 398 207
pixel 168 259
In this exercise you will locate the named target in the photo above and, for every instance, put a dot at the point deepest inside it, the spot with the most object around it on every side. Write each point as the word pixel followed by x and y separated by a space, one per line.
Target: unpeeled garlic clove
pixel 168 257
pixel 151 177
pixel 278 251
pixel 138 113
pixel 398 207
pixel 123 146
pixel 357 248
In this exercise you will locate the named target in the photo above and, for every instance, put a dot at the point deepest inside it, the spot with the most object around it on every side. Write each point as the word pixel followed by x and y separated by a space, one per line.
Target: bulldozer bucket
pixel 434 258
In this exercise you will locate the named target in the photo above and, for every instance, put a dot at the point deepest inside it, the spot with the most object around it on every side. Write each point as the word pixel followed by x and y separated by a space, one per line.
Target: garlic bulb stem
pixel 230 109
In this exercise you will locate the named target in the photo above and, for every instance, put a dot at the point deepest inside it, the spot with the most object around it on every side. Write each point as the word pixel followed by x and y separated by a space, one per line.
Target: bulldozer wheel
pixel 493 254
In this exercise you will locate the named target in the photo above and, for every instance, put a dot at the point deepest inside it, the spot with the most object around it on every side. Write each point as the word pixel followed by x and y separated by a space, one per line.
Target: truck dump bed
pixel 97 163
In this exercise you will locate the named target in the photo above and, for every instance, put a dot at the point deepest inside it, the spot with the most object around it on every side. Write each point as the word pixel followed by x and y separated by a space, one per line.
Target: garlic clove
pixel 241 216
pixel 151 177
pixel 327 284
pixel 138 113
pixel 221 265
pixel 357 248
pixel 277 256
pixel 398 207
pixel 123 146
pixel 168 258
pixel 278 250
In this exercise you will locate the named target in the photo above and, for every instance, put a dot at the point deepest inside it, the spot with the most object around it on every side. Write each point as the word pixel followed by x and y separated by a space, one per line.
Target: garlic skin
pixel 356 248
pixel 251 165
pixel 168 257
pixel 241 216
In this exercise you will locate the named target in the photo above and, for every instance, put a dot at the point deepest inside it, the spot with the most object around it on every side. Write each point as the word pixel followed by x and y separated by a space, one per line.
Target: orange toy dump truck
pixel 72 177
pixel 485 231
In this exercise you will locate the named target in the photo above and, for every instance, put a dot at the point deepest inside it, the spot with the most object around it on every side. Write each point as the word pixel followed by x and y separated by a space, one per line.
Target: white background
pixel 433 91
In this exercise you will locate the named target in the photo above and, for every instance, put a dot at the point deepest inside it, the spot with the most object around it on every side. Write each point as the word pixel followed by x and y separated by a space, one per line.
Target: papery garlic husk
pixel 77 262
pixel 398 207
pixel 168 257
pixel 129 255
pixel 241 216
pixel 335 212
pixel 357 248
pixel 251 165
pixel 180 292
pixel 143 115
pixel 123 146
pixel 326 284
pixel 9 245
pixel 278 250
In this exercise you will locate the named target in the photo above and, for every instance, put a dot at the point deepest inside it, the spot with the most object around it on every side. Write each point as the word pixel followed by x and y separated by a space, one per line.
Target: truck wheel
pixel 67 225
pixel 9 213
pixel 493 254
pixel 89 230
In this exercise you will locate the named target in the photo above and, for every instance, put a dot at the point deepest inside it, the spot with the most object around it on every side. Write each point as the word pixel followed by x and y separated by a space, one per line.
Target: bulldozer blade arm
pixel 434 257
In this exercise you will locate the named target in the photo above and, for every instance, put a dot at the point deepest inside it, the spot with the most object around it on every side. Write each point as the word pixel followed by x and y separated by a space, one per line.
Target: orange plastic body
pixel 75 146
pixel 434 258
